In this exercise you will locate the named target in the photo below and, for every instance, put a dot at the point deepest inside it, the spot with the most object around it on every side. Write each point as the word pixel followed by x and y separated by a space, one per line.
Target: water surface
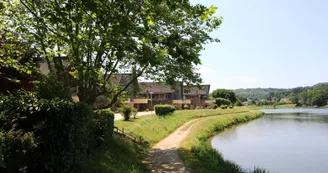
pixel 283 141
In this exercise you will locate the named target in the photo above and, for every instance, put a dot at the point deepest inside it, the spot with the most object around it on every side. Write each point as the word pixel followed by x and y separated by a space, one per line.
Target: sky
pixel 267 43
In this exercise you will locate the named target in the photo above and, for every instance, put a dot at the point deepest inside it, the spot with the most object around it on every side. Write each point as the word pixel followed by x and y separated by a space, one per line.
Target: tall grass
pixel 197 153
pixel 154 128
pixel 117 156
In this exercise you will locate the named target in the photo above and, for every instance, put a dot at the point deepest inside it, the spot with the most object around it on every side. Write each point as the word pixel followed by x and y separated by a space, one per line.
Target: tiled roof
pixel 155 87
pixel 203 90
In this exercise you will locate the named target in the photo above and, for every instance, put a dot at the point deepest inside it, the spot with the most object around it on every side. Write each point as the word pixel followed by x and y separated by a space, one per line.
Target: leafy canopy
pixel 159 39
pixel 226 94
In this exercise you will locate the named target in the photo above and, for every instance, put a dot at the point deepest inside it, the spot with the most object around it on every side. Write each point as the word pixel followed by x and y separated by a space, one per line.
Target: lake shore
pixel 197 153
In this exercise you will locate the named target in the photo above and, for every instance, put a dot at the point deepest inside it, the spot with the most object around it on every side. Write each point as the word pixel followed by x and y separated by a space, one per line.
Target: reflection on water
pixel 284 141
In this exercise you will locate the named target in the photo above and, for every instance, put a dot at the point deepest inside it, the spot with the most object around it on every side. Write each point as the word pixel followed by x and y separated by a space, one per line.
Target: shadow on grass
pixel 117 156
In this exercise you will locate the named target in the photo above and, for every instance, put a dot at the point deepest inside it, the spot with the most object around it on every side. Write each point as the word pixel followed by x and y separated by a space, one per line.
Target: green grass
pixel 197 153
pixel 154 128
pixel 117 156
pixel 253 107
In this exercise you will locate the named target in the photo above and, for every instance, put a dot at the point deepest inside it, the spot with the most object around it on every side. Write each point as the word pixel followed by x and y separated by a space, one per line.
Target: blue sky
pixel 267 43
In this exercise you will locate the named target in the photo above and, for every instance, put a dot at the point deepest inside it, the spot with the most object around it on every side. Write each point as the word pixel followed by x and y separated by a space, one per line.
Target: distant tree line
pixel 316 95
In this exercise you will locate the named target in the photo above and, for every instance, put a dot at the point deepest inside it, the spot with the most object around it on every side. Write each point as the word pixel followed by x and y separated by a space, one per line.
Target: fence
pixel 129 135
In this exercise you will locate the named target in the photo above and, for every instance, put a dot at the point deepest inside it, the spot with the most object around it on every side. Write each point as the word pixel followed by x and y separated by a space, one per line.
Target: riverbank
pixel 154 128
pixel 254 107
pixel 197 153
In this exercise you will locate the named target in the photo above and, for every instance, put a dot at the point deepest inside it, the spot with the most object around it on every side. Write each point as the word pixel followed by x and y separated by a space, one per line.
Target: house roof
pixel 155 87
pixel 120 78
pixel 194 90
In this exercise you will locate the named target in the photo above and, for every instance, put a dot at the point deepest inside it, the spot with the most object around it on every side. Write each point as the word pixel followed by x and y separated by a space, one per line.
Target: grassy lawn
pixel 117 156
pixel 253 107
pixel 197 152
pixel 154 128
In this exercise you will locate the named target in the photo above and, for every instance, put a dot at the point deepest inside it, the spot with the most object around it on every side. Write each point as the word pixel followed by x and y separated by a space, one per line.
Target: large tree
pixel 226 94
pixel 159 39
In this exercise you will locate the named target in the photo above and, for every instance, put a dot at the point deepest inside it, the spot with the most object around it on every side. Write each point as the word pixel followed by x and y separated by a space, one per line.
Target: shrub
pixel 163 110
pixel 176 106
pixel 103 123
pixel 230 106
pixel 214 106
pixel 192 107
pixel 50 88
pixel 222 101
pixel 127 112
pixel 185 107
pixel 198 107
pixel 223 106
pixel 43 135
pixel 238 103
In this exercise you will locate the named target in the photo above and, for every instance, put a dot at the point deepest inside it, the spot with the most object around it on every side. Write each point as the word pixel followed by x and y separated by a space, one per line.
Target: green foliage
pixel 162 110
pixel 214 106
pixel 103 122
pixel 192 107
pixel 222 101
pixel 17 68
pixel 43 135
pixel 226 94
pixel 231 106
pixel 185 107
pixel 127 112
pixel 51 88
pixel 238 103
pixel 118 155
pixel 160 39
pixel 224 106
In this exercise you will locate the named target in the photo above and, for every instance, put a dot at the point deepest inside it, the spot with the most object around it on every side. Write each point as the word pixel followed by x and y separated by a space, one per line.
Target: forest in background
pixel 316 95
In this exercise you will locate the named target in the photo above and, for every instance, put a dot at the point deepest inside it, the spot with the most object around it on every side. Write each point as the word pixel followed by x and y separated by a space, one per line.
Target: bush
pixel 185 107
pixel 222 101
pixel 231 106
pixel 192 107
pixel 127 112
pixel 163 110
pixel 214 106
pixel 50 88
pixel 238 103
pixel 103 123
pixel 43 135
pixel 223 106
pixel 198 107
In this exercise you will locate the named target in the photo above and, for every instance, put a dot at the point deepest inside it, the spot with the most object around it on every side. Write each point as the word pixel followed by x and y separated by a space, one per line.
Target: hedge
pixel 222 101
pixel 42 135
pixel 103 123
pixel 163 110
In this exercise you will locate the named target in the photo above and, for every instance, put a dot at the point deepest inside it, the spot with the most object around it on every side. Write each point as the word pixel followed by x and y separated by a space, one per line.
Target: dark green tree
pixel 224 93
pixel 160 40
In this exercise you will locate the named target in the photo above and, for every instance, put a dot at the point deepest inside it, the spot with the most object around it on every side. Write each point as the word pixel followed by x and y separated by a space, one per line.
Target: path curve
pixel 164 156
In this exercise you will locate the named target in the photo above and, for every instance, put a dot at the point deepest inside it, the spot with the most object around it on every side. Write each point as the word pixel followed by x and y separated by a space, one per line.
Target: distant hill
pixel 257 93
pixel 310 96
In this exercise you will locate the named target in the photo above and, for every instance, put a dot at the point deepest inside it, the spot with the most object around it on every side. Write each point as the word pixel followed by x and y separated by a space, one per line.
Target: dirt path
pixel 119 116
pixel 164 155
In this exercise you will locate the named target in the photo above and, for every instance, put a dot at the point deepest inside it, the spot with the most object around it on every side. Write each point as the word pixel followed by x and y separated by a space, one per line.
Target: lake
pixel 283 141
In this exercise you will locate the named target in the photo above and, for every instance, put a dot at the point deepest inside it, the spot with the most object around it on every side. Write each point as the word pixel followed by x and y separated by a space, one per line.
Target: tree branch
pixel 114 99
